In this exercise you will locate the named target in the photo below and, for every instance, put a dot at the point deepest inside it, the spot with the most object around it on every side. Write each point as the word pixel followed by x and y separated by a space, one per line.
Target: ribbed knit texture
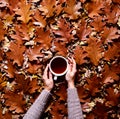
pixel 38 107
pixel 74 106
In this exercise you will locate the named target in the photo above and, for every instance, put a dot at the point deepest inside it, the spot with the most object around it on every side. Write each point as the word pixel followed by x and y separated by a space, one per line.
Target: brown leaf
pixel 93 85
pixel 72 9
pixel 112 99
pixel 100 111
pixel 112 14
pixel 15 102
pixel 109 34
pixel 60 48
pixel 10 69
pixel 98 24
pixel 39 18
pixel 17 36
pixel 48 7
pixel 24 31
pixel 94 50
pixel 82 93
pixel 112 52
pixel 12 4
pixel 116 1
pixel 61 91
pixel 94 8
pixel 58 110
pixel 34 53
pixel 64 31
pixel 16 53
pixel 24 11
pixel 7 115
pixel 1 55
pixel 3 81
pixel 43 37
pixel 79 55
pixel 2 31
pixel 111 73
pixel 83 32
pixel 33 68
pixel 26 86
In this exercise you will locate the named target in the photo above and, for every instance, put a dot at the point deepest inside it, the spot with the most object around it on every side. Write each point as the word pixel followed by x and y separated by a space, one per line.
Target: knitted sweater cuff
pixel 72 94
pixel 44 96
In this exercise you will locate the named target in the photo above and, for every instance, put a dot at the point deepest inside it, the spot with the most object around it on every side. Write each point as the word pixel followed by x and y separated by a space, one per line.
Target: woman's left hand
pixel 48 80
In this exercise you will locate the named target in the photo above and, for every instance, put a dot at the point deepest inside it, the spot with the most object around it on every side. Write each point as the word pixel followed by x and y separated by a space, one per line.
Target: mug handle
pixel 55 78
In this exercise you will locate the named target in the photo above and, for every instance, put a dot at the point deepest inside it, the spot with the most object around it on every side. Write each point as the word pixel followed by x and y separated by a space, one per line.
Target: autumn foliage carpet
pixel 33 31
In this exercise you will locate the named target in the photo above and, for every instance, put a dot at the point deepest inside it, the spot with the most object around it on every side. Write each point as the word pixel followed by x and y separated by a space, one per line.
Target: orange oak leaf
pixel 1 55
pixel 112 13
pixel 94 50
pixel 26 31
pixel 90 116
pixel 72 9
pixel 79 55
pixel 48 7
pixel 100 111
pixel 60 48
pixel 3 82
pixel 39 19
pixel 58 110
pixel 12 5
pixel 93 8
pixel 83 32
pixel 34 53
pixel 16 53
pixel 98 24
pixel 112 52
pixel 24 11
pixel 93 85
pixel 7 115
pixel 109 34
pixel 110 73
pixel 43 37
pixel 15 102
pixel 116 1
pixel 61 91
pixel 33 68
pixel 17 36
pixel 112 98
pixel 64 31
pixel 26 86
pixel 82 93
pixel 2 31
pixel 10 70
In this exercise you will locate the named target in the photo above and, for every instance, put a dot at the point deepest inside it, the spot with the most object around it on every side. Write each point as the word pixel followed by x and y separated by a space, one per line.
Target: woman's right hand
pixel 70 75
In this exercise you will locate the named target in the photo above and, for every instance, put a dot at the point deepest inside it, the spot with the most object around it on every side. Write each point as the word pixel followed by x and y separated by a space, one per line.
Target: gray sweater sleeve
pixel 38 107
pixel 74 106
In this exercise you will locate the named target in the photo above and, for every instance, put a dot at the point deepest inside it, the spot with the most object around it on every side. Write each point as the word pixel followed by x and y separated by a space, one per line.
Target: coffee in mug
pixel 58 66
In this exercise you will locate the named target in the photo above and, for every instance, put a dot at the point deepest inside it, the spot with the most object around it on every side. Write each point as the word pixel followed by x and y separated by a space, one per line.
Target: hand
pixel 48 80
pixel 70 75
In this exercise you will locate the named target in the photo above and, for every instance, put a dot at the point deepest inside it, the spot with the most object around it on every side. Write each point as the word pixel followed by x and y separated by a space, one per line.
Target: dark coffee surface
pixel 58 65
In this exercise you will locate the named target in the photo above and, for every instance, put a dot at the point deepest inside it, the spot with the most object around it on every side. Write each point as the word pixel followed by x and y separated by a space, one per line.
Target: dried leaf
pixel 24 11
pixel 15 102
pixel 94 50
pixel 16 53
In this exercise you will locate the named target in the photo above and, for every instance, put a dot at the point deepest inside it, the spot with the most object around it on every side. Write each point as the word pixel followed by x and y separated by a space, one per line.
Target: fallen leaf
pixel 15 102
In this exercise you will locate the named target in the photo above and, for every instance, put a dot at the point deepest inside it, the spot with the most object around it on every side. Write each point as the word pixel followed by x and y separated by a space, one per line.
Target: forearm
pixel 74 106
pixel 36 110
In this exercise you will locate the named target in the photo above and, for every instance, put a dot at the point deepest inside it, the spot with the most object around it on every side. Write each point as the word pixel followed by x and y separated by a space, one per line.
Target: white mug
pixel 58 66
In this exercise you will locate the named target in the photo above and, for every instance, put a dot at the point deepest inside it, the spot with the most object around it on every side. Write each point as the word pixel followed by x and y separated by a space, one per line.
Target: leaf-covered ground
pixel 33 31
